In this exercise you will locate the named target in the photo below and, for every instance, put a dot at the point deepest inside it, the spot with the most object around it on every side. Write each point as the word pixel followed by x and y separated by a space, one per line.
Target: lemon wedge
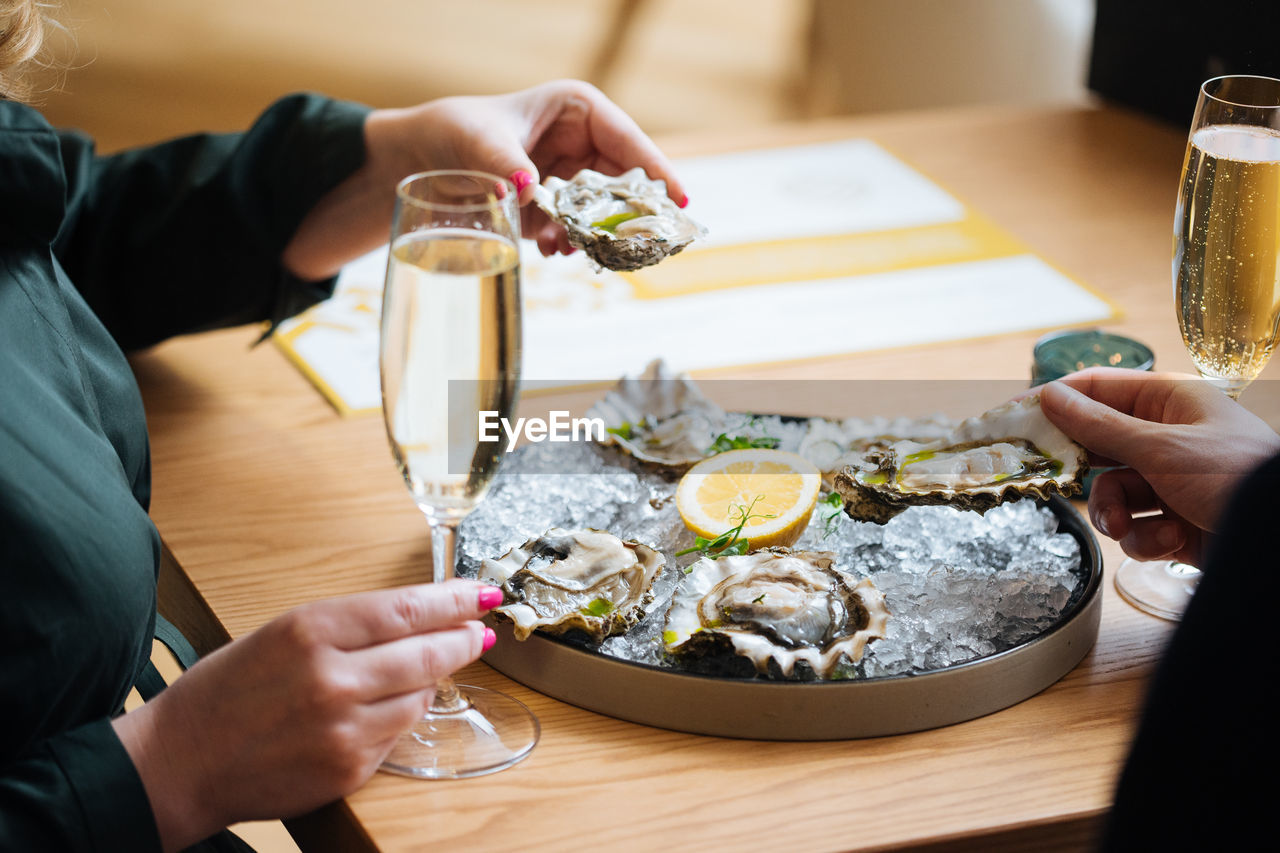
pixel 777 489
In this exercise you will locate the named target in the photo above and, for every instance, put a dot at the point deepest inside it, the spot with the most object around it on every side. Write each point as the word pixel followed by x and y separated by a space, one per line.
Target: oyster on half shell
pixel 588 580
pixel 775 605
pixel 830 445
pixel 660 417
pixel 622 223
pixel 1011 452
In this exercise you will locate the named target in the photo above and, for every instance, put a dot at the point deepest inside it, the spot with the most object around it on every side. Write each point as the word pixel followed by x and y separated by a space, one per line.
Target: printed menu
pixel 813 251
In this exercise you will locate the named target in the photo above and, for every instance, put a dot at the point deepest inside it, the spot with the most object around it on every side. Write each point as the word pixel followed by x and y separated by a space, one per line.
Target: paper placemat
pixel 813 251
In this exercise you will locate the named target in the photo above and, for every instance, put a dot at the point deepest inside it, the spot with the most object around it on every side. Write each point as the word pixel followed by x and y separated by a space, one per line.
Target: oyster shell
pixel 1011 452
pixel 775 605
pixel 588 580
pixel 660 417
pixel 622 223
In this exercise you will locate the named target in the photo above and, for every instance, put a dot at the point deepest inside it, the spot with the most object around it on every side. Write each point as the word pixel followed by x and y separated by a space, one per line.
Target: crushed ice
pixel 959 585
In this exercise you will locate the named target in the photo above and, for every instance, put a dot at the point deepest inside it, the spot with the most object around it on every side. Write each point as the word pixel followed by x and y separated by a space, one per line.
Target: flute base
pixel 1160 587
pixel 492 732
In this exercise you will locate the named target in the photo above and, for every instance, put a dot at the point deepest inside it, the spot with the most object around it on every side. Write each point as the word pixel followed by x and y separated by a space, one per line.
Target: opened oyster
pixel 775 605
pixel 587 580
pixel 660 417
pixel 831 445
pixel 622 223
pixel 1010 452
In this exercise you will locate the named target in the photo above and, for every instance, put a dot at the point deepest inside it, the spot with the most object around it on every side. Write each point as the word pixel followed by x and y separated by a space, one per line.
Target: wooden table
pixel 269 499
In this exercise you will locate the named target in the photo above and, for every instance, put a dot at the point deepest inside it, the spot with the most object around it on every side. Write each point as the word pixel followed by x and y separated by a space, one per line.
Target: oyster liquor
pixel 560 427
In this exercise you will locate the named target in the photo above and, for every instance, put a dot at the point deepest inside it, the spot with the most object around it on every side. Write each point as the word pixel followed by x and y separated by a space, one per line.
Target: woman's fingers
pixel 416 662
pixel 572 122
pixel 618 137
pixel 370 618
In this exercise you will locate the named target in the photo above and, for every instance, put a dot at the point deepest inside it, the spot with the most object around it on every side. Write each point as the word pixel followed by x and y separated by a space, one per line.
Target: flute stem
pixel 443 540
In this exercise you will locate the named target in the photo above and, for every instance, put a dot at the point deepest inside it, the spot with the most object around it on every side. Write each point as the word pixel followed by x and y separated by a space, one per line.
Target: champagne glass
pixel 450 349
pixel 1226 271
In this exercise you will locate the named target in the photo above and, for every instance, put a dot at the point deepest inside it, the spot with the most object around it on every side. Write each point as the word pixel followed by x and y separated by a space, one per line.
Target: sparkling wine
pixel 1227 251
pixel 450 349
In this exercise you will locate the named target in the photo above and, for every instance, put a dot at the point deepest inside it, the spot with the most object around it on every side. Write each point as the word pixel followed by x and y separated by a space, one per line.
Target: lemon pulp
pixel 776 489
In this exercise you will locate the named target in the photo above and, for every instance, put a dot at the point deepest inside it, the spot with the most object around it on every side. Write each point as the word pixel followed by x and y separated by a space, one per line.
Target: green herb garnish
pixel 731 542
pixel 623 431
pixel 759 598
pixel 834 505
pixel 598 607
pixel 611 223
pixel 725 442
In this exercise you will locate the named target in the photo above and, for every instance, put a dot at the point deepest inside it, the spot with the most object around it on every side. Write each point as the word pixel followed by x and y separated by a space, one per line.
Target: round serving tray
pixel 833 710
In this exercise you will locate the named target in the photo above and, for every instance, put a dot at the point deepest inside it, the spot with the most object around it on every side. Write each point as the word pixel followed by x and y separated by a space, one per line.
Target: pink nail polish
pixel 521 179
pixel 490 597
pixel 684 201
pixel 489 639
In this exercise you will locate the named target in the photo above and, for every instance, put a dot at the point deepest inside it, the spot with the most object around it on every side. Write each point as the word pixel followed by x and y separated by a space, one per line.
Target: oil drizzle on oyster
pixel 622 223
pixel 1011 452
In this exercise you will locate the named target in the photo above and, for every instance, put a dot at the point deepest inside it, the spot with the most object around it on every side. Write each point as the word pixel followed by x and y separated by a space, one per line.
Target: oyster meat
pixel 588 580
pixel 1011 452
pixel 660 417
pixel 830 445
pixel 622 223
pixel 775 605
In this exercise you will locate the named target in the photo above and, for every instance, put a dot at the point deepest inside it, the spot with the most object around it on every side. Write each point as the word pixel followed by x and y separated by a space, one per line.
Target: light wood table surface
pixel 269 500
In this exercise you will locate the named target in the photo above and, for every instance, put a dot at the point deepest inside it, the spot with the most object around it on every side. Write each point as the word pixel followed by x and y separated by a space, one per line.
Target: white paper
pixel 584 326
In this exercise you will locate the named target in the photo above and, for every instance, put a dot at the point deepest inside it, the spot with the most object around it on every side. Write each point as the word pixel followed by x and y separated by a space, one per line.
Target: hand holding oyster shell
pixel 622 223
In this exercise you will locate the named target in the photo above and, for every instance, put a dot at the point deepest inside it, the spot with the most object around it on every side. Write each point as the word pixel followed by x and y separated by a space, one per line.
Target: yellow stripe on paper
pixel 812 258
pixel 285 342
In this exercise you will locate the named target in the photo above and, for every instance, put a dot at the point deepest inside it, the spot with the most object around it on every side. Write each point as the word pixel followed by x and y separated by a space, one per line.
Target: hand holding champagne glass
pixel 450 348
pixel 1226 270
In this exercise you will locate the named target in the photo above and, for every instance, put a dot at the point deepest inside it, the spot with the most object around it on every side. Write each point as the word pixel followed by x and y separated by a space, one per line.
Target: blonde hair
pixel 22 26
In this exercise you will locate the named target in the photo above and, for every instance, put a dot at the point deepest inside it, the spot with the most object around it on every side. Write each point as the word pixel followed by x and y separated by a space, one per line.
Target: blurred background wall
pixel 148 69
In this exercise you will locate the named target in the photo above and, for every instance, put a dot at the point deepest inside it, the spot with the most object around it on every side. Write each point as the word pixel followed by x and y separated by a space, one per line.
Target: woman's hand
pixel 553 129
pixel 301 711
pixel 1186 446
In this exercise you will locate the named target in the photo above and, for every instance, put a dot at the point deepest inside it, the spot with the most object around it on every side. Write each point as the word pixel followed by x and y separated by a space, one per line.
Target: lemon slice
pixel 780 488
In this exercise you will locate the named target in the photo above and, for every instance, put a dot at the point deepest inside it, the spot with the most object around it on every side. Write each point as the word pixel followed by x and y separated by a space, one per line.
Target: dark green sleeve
pixel 187 235
pixel 76 791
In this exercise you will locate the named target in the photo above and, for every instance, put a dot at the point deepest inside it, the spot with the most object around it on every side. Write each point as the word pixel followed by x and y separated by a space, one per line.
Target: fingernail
pixel 500 189
pixel 1103 526
pixel 490 597
pixel 489 639
pixel 684 201
pixel 521 179
pixel 1168 538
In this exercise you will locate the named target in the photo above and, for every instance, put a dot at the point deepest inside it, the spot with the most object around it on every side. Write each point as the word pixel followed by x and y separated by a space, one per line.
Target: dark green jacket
pixel 100 255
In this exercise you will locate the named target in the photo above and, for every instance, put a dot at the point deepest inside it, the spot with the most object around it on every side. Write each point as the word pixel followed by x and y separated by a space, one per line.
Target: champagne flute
pixel 1226 271
pixel 450 349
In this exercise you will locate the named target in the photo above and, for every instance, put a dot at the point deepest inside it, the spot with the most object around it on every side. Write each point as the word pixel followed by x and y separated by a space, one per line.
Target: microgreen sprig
pixel 731 542
pixel 725 442
pixel 834 504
